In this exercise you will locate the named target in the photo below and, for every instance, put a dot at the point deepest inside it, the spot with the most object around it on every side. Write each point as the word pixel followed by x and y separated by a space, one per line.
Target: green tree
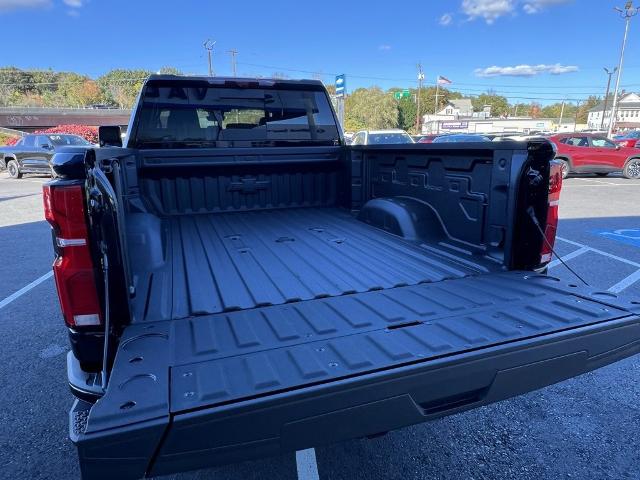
pixel 407 110
pixel 121 87
pixel 70 91
pixel 370 108
pixel 535 110
pixel 588 104
pixel 520 109
pixel 170 71
pixel 555 109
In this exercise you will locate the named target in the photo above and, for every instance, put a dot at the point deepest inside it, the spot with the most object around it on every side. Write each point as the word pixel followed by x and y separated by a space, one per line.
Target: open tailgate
pixel 198 392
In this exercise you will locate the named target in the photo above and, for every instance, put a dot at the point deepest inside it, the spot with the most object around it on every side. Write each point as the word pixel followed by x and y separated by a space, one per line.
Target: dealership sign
pixel 454 125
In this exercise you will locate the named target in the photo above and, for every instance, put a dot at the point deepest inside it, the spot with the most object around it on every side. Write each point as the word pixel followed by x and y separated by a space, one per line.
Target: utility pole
pixel 561 115
pixel 208 46
pixel 420 79
pixel 627 13
pixel 435 109
pixel 606 96
pixel 575 120
pixel 233 53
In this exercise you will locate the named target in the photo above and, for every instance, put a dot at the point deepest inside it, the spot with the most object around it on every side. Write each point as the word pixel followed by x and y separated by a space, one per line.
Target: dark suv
pixel 33 152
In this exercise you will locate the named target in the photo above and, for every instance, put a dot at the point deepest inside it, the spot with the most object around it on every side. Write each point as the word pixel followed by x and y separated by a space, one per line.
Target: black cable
pixel 532 214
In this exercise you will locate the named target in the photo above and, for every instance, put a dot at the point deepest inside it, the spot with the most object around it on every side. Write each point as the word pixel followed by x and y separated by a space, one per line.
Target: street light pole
pixel 626 13
pixel 420 79
pixel 208 45
pixel 606 96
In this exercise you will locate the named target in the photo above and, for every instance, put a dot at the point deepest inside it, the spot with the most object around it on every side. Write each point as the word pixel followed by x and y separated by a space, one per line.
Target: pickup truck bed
pixel 217 388
pixel 232 261
pixel 269 292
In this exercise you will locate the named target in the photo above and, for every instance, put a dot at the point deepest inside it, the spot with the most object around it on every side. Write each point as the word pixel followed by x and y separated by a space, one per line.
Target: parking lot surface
pixel 583 428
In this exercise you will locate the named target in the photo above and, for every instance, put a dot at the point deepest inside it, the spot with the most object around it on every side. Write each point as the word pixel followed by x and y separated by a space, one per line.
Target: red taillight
pixel 73 267
pixel 555 185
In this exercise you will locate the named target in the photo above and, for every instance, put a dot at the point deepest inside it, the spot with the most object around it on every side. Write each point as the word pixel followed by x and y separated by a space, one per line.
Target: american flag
pixel 443 80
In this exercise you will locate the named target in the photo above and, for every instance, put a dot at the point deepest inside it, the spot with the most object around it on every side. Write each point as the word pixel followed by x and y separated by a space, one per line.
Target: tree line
pixel 374 108
pixel 365 108
pixel 48 88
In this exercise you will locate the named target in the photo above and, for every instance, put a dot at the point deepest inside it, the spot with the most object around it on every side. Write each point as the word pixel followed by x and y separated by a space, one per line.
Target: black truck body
pixel 271 295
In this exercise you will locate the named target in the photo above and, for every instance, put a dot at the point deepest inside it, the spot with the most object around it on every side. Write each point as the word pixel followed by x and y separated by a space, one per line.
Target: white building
pixel 628 113
pixel 453 110
pixel 523 125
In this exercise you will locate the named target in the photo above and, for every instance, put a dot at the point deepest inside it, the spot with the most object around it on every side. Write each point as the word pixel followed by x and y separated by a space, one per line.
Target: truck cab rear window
pixel 191 117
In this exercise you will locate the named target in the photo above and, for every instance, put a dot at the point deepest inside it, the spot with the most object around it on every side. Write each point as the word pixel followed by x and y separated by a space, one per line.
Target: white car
pixel 381 137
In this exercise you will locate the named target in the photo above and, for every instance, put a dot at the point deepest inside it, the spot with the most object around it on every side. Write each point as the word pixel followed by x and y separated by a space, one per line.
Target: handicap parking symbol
pixel 630 236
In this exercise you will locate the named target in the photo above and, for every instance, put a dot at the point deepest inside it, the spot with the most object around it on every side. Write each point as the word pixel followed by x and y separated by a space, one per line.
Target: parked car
pixel 33 152
pixel 239 289
pixel 381 137
pixel 460 137
pixel 628 139
pixel 429 138
pixel 589 153
pixel 348 137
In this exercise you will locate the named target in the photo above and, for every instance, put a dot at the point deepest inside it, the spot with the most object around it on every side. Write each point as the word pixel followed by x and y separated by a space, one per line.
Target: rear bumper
pixel 348 408
pixel 87 348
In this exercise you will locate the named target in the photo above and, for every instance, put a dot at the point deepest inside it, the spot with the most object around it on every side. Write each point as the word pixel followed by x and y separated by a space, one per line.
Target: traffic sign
pixel 401 94
pixel 341 85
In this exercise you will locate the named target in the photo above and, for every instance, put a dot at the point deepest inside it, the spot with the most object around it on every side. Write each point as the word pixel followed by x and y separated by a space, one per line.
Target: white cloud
pixel 489 10
pixel 6 5
pixel 73 3
pixel 534 6
pixel 446 19
pixel 525 70
pixel 384 48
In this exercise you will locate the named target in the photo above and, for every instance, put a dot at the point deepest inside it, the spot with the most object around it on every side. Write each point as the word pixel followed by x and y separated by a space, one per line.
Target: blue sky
pixel 374 43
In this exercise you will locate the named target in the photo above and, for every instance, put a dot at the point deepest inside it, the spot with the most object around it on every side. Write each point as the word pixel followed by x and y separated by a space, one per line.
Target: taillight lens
pixel 555 185
pixel 73 267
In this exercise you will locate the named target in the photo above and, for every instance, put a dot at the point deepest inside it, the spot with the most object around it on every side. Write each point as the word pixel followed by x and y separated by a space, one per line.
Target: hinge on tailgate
pixel 105 347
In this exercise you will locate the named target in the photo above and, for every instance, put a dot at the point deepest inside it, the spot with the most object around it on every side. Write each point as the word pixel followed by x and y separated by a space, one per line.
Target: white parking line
pixel 601 182
pixel 608 185
pixel 601 252
pixel 626 282
pixel 306 464
pixel 25 289
pixel 569 256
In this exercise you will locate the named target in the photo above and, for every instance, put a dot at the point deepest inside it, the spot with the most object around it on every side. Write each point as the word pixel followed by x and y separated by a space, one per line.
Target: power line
pixel 398 79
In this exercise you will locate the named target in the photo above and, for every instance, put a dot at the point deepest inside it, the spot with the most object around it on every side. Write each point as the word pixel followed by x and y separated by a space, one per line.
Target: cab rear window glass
pixel 214 116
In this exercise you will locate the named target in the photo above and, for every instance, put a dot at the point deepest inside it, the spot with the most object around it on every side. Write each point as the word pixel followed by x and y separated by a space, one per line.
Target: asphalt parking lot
pixel 584 428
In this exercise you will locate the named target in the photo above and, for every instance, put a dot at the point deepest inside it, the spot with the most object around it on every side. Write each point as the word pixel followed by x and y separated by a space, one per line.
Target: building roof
pixel 462 104
pixel 627 101
pixel 599 107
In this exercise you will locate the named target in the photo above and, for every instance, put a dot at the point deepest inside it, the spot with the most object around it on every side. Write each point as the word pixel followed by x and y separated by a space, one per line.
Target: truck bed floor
pixel 233 261
pixel 221 359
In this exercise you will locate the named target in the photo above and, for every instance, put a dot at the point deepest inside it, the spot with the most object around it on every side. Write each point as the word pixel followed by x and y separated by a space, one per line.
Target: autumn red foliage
pixel 86 132
pixel 11 141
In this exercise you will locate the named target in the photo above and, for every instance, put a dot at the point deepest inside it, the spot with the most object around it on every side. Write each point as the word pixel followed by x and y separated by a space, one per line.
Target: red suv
pixel 589 153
